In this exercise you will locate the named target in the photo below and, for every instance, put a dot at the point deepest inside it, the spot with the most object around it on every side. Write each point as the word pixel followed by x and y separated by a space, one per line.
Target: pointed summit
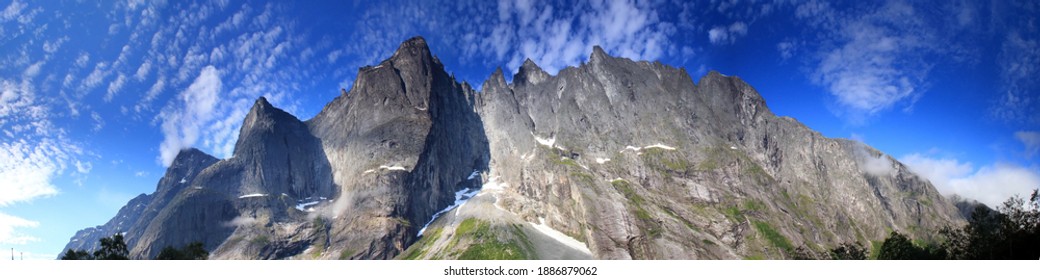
pixel 530 73
pixel 497 80
pixel 414 49
pixel 598 54
pixel 192 156
pixel 261 103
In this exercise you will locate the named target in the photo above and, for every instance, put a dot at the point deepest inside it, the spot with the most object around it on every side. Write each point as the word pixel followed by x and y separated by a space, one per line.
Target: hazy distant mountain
pixel 612 159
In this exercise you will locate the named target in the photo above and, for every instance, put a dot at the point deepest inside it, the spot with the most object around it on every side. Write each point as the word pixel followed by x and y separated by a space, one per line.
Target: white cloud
pixel 82 60
pixel 1030 140
pixel 28 170
pixel 182 126
pixel 99 123
pixel 12 11
pixel 786 49
pixel 143 70
pixel 32 70
pixel 879 165
pixel 95 78
pixel 151 95
pixel 333 56
pixel 114 87
pixel 8 235
pixel 1019 61
pixel 83 167
pixel 725 35
pixel 141 173
pixel 871 60
pixel 52 46
pixel 992 184
pixel 240 221
pixel 508 32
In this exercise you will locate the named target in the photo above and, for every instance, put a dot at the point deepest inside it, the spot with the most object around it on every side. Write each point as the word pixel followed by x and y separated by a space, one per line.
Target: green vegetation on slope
pixel 486 245
pixel 775 238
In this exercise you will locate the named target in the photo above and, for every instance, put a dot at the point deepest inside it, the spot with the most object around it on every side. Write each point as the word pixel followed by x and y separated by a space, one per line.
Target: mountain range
pixel 610 159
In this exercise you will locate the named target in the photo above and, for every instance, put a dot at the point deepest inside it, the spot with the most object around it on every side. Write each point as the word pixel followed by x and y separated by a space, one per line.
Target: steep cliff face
pixel 611 159
pixel 401 143
pixel 634 160
pixel 132 219
pixel 277 166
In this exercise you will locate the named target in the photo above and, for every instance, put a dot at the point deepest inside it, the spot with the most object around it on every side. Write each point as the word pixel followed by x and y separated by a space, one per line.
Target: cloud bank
pixel 990 184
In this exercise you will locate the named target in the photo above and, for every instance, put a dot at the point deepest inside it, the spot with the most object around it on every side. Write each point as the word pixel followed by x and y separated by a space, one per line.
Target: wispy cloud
pixel 1030 141
pixel 725 35
pixel 114 87
pixel 8 233
pixel 12 11
pixel 143 70
pixel 876 62
pixel 99 123
pixel 1019 62
pixel 507 32
pixel 182 125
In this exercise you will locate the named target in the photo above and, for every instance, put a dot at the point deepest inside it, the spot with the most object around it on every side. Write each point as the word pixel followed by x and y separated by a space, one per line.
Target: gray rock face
pixel 645 164
pixel 401 143
pixel 133 218
pixel 614 159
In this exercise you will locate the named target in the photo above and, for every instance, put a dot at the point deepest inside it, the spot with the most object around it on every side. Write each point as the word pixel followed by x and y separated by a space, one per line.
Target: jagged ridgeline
pixel 611 159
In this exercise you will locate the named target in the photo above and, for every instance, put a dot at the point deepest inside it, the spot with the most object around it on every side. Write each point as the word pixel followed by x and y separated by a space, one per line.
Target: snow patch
pixel 460 198
pixel 527 156
pixel 659 145
pixel 386 167
pixel 544 142
pixel 307 204
pixel 393 167
pixel 474 175
pixel 493 185
pixel 732 147
pixel 198 187
pixel 602 160
pixel 253 195
pixel 561 237
pixel 184 180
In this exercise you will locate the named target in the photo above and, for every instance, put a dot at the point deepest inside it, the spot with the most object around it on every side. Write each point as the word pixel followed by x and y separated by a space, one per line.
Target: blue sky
pixel 95 99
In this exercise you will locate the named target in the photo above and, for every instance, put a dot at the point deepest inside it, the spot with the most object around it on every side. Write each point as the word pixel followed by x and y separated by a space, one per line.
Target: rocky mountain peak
pixel 614 159
pixel 598 54
pixel 413 51
pixel 262 120
pixel 192 157
pixel 529 73
pixel 496 80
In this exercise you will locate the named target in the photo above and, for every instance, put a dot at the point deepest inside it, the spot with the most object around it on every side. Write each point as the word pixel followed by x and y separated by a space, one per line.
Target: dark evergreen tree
pixel 898 247
pixel 112 248
pixel 192 251
pixel 77 255
pixel 1011 232
pixel 849 251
